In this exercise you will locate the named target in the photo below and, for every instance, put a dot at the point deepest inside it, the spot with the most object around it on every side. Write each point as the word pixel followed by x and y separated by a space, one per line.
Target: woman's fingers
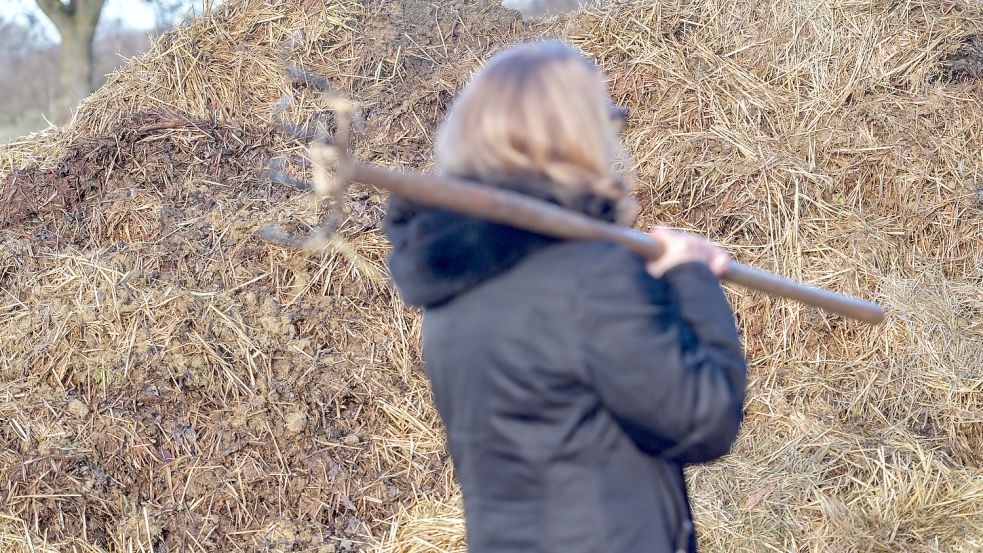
pixel 663 234
pixel 719 262
pixel 684 247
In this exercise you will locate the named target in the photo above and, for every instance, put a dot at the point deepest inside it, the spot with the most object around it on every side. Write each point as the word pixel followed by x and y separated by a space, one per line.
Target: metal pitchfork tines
pixel 499 206
pixel 329 156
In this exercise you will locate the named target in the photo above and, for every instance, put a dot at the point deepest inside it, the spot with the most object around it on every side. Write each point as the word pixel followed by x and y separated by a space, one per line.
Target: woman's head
pixel 537 109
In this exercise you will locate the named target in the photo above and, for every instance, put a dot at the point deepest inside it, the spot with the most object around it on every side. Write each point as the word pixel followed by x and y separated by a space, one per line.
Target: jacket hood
pixel 438 255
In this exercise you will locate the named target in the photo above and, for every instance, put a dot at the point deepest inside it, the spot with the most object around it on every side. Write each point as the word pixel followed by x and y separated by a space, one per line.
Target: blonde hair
pixel 536 109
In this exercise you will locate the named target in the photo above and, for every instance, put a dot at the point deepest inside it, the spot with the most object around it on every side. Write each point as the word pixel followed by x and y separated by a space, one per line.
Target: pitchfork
pixel 332 168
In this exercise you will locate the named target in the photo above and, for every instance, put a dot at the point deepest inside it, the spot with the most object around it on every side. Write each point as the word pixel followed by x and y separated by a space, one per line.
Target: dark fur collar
pixel 438 255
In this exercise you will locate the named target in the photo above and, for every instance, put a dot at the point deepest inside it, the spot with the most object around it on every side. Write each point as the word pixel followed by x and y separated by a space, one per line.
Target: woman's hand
pixel 684 247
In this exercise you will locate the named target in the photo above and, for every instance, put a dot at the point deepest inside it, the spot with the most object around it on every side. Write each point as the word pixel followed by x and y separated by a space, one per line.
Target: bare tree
pixel 76 21
pixel 539 8
pixel 29 68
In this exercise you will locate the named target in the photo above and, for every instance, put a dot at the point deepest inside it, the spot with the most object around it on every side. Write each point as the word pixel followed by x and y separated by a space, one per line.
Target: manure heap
pixel 169 382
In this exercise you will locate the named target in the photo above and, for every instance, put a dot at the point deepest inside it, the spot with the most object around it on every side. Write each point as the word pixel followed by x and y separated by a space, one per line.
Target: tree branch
pixel 88 11
pixel 59 13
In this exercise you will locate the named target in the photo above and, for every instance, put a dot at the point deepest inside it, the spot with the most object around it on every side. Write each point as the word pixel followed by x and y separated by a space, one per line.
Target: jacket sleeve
pixel 665 357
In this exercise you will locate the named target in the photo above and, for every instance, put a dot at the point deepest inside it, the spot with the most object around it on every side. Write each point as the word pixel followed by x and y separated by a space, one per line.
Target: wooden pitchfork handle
pixel 520 211
pixel 512 209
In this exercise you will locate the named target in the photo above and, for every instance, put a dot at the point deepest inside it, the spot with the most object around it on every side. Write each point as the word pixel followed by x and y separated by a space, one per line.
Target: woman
pixel 574 379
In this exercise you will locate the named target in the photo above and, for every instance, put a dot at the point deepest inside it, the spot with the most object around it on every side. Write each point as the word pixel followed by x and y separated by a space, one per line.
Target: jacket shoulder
pixel 587 272
pixel 589 260
pixel 608 270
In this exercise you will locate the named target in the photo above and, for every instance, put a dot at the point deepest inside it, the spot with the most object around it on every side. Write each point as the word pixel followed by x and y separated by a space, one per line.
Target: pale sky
pixel 134 14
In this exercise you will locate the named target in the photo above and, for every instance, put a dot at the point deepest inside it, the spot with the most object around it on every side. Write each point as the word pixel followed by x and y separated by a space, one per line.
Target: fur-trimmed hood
pixel 438 255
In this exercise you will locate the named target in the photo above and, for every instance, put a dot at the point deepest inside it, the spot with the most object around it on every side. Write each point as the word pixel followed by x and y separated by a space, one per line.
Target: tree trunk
pixel 76 21
pixel 75 81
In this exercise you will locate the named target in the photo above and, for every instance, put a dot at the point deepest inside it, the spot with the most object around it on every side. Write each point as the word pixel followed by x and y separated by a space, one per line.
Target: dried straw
pixel 169 381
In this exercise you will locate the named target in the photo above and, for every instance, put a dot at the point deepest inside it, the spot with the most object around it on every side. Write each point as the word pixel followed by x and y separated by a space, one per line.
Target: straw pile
pixel 167 381
pixel 839 143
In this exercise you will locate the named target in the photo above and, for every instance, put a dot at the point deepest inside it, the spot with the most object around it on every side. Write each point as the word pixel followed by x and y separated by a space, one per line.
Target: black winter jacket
pixel 573 385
